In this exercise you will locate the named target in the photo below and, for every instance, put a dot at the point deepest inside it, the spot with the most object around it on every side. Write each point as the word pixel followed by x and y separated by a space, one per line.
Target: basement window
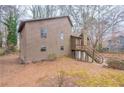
pixel 62 48
pixel 43 48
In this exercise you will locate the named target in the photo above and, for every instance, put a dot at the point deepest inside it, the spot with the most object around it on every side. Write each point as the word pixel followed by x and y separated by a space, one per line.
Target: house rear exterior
pixel 43 37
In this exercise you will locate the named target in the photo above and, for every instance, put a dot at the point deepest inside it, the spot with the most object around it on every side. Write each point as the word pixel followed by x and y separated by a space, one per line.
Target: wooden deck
pixel 81 50
pixel 89 52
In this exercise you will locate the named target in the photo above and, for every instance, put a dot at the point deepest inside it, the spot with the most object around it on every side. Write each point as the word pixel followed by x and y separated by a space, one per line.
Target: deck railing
pixel 95 54
pixel 91 52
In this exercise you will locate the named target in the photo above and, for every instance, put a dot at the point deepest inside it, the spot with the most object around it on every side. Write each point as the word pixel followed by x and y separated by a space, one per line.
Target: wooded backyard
pixel 61 72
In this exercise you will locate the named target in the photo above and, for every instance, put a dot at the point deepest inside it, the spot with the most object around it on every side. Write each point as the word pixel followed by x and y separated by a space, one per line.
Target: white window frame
pixel 62 36
pixel 44 32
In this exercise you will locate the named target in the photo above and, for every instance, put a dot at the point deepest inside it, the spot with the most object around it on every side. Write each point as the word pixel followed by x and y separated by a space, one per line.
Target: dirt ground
pixel 36 74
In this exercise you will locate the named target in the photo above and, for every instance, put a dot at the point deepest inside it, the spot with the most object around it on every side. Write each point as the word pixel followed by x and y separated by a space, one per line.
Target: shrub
pixel 2 51
pixel 52 57
pixel 12 49
pixel 117 64
pixel 60 76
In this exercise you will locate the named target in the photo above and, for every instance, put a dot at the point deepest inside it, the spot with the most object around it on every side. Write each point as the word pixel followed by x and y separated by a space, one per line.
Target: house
pixel 116 44
pixel 40 38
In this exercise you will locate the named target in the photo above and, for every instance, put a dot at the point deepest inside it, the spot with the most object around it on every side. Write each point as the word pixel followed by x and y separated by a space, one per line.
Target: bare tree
pixel 42 11
pixel 96 20
pixel 109 17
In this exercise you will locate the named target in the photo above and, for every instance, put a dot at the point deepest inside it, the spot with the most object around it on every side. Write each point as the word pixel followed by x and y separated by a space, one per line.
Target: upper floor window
pixel 61 35
pixel 44 33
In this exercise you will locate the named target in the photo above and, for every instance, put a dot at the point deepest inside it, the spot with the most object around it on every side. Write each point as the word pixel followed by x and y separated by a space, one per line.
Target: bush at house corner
pixel 52 57
pixel 2 51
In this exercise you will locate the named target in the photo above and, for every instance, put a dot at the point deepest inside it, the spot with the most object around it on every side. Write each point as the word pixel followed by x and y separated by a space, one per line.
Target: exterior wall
pixel 23 44
pixel 76 43
pixel 53 42
pixel 78 55
pixel 73 43
pixel 83 56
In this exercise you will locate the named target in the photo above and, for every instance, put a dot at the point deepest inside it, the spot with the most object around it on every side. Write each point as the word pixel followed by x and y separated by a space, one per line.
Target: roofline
pixel 22 24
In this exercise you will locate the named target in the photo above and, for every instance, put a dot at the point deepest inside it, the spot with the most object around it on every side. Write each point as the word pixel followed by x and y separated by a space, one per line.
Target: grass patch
pixel 107 79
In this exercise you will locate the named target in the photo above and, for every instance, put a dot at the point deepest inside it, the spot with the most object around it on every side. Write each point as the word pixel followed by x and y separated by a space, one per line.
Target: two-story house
pixel 41 37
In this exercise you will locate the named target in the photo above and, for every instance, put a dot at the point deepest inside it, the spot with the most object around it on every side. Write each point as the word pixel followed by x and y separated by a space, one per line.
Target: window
pixel 61 35
pixel 62 48
pixel 44 33
pixel 43 48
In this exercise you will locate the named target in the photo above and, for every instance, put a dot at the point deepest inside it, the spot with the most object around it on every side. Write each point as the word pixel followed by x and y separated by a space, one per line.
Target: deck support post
pixel 86 57
pixel 81 55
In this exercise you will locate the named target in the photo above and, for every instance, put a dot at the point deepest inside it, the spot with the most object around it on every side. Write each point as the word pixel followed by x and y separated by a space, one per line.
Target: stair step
pixel 98 58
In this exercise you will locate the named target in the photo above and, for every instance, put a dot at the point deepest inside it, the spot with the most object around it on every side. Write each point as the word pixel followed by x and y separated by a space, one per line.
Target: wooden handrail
pixel 93 53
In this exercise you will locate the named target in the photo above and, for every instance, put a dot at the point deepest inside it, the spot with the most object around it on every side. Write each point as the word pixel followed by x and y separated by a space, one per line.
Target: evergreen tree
pixel 11 24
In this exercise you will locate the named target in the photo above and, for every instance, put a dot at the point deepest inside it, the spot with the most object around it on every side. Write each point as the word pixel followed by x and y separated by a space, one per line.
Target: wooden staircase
pixel 93 54
pixel 80 46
